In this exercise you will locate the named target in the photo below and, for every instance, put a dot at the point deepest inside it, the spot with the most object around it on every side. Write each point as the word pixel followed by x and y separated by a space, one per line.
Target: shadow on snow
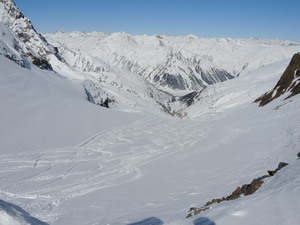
pixel 156 221
pixel 19 214
pixel 149 221
pixel 203 221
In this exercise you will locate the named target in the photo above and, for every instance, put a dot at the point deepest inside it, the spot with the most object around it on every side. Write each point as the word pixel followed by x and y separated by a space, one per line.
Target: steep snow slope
pixel 10 46
pixel 178 65
pixel 42 108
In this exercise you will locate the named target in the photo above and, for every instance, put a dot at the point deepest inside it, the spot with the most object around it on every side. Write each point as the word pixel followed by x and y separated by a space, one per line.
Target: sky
pixel 268 19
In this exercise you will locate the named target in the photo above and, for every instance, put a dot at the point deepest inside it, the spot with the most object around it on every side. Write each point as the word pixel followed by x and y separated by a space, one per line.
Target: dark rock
pixel 288 82
pixel 13 58
pixel 246 189
pixel 236 194
pixel 263 177
pixel 195 211
pixel 281 165
pixel 271 172
pixel 253 187
pixel 105 103
pixel 298 155
pixel 23 28
pixel 40 62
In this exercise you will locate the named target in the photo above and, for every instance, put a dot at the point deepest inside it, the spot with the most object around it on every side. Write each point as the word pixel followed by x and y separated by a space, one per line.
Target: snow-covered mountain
pixel 31 44
pixel 64 160
pixel 21 43
pixel 178 65
pixel 135 72
pixel 34 45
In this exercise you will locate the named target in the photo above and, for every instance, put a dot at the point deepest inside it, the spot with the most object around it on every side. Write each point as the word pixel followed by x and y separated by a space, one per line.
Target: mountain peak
pixel 34 45
pixel 11 9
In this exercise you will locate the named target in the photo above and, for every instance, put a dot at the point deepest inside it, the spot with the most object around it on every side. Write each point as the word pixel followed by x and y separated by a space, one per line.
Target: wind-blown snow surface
pixel 66 161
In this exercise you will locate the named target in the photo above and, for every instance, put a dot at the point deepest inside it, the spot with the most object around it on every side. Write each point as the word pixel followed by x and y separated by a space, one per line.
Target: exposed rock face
pixel 280 166
pixel 33 44
pixel 96 95
pixel 246 189
pixel 289 82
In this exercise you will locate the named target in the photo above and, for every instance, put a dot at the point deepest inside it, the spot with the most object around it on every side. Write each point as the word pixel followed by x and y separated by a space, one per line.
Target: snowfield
pixel 67 161
pixel 156 152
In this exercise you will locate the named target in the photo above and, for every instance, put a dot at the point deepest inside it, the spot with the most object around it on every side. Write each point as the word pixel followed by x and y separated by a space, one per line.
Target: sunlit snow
pixel 64 160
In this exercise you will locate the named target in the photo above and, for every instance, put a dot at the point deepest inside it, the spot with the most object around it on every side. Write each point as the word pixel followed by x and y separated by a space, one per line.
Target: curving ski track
pixel 41 180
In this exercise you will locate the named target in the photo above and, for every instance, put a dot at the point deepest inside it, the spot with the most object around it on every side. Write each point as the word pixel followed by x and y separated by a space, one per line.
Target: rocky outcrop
pixel 280 166
pixel 33 44
pixel 289 83
pixel 96 95
pixel 246 189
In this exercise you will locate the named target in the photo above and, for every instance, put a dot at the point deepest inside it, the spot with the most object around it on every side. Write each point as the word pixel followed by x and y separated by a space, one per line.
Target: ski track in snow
pixel 52 176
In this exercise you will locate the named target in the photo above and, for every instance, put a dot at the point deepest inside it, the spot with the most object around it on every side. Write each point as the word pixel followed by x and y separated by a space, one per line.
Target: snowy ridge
pixel 10 46
pixel 178 65
pixel 33 44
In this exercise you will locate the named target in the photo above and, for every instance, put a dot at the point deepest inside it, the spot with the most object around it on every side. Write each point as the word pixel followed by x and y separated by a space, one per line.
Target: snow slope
pixel 13 215
pixel 53 108
pixel 67 161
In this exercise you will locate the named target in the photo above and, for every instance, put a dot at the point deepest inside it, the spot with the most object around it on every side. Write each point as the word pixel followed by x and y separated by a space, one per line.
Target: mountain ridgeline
pixel 28 44
pixel 125 71
pixel 178 65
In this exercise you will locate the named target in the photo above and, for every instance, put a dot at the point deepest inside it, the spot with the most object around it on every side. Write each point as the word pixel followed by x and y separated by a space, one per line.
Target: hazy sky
pixel 271 19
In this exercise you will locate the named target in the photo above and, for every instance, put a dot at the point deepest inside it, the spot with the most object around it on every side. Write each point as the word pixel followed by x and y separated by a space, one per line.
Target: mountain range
pixel 101 128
